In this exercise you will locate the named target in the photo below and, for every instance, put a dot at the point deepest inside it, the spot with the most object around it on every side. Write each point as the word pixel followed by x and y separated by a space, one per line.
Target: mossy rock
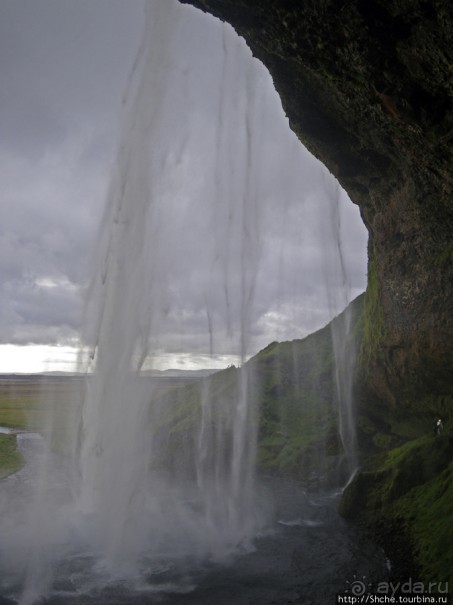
pixel 384 441
pixel 404 499
pixel 427 513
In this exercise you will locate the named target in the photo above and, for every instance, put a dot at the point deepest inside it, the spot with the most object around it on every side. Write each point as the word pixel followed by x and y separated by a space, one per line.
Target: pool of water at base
pixel 306 555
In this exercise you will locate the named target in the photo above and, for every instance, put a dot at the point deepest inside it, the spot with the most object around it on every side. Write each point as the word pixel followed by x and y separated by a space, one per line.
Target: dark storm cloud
pixel 64 67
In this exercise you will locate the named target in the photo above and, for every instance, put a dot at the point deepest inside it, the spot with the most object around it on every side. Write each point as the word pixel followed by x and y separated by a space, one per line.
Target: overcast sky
pixel 64 67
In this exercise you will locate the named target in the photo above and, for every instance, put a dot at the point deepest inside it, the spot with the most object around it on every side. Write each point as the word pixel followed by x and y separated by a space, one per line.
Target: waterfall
pixel 343 341
pixel 163 172
pixel 344 364
pixel 191 218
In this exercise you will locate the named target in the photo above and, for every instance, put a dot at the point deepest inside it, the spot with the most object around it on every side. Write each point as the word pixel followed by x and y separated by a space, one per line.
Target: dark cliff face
pixel 367 86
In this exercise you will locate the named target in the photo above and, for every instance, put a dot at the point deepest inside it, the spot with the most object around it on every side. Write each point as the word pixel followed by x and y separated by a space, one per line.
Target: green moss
pixel 295 392
pixel 427 514
pixel 372 323
pixel 407 491
pixel 384 441
pixel 10 459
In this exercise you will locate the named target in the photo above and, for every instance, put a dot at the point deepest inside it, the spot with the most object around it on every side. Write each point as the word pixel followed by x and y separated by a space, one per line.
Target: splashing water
pixel 185 201
pixel 154 175
pixel 123 509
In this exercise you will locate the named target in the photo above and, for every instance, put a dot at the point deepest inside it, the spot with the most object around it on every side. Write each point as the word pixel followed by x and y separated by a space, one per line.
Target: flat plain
pixel 34 403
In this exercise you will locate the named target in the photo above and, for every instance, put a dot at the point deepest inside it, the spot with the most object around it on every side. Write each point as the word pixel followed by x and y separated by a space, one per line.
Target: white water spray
pixel 343 343
pixel 161 175
pixel 191 147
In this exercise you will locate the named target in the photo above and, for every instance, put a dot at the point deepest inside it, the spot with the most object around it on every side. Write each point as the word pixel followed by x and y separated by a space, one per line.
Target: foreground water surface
pixel 306 554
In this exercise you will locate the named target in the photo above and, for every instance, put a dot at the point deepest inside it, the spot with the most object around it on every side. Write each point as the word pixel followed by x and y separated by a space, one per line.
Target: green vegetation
pixel 404 497
pixel 35 403
pixel 10 459
pixel 428 512
pixel 291 388
pixel 295 395
pixel 30 402
pixel 290 385
pixel 371 325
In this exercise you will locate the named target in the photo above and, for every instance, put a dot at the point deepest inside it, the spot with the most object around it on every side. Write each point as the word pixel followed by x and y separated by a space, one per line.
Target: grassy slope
pixel 293 399
pixel 292 388
pixel 297 428
pixel 10 459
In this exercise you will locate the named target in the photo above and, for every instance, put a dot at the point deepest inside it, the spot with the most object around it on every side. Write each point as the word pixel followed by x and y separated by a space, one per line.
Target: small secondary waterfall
pixel 191 219
pixel 343 341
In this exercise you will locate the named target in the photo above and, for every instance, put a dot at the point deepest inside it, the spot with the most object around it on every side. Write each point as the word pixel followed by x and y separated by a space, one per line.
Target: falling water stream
pixel 103 524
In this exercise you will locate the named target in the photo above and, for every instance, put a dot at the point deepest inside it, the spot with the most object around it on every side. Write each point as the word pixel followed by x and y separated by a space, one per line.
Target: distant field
pixel 30 402
pixel 48 405
pixel 34 403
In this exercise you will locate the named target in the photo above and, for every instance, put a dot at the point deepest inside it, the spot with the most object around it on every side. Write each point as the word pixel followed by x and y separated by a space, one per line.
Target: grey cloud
pixel 63 72
pixel 74 56
pixel 45 310
pixel 66 64
pixel 47 304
